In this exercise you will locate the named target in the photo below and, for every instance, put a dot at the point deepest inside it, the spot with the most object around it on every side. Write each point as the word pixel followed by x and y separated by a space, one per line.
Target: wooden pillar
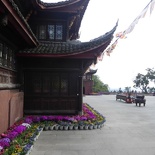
pixel 81 73
pixel 80 111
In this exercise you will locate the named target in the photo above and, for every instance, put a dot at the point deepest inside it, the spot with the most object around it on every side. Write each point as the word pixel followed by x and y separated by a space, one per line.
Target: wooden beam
pixel 19 23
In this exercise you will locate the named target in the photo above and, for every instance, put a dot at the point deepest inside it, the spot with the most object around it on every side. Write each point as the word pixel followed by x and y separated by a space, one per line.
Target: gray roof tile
pixel 68 47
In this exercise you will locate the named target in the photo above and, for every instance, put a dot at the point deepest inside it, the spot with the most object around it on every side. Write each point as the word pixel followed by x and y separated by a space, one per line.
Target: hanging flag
pixel 143 13
pixel 122 35
pixel 152 6
pixel 111 48
pixel 130 28
pixel 114 45
pixel 100 58
pixel 108 54
pixel 118 35
pixel 108 51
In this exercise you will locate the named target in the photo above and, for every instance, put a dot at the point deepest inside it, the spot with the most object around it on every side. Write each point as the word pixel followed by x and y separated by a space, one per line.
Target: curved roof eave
pixel 62 49
pixel 91 71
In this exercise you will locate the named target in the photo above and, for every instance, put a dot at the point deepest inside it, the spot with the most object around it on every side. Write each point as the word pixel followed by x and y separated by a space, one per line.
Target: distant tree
pixel 151 74
pixel 120 90
pixel 142 81
pixel 151 89
pixel 99 86
pixel 127 89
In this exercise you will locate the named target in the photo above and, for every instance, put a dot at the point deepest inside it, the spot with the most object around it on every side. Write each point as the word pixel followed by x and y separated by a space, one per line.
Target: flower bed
pixel 19 138
pixel 90 119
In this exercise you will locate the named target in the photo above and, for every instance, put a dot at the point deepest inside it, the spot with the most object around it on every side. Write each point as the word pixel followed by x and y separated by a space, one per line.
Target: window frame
pixel 56 29
pixel 7 56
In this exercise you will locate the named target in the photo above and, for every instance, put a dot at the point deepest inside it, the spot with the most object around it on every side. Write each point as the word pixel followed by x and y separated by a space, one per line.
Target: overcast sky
pixel 132 55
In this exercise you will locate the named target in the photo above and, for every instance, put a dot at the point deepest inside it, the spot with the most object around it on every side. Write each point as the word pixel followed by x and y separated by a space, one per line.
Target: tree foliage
pixel 99 86
pixel 127 89
pixel 150 74
pixel 142 81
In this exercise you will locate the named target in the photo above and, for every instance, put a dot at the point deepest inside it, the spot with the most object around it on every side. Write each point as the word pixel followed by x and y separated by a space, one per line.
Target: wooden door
pixel 51 92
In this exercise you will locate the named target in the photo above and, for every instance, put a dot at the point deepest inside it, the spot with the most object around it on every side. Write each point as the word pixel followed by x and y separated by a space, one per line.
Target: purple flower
pixel 27 147
pixel 83 118
pixel 77 118
pixel 28 120
pixel 50 118
pixel 71 119
pixel 66 118
pixel 12 135
pixel 5 140
pixel 4 144
pixel 43 118
pixel 91 116
pixel 20 128
pixel 58 118
pixel 36 119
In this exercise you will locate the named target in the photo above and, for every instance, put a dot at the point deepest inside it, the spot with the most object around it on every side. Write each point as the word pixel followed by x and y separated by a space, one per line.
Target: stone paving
pixel 128 130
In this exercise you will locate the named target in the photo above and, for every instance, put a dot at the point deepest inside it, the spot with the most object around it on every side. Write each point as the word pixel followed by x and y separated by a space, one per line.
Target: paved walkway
pixel 129 130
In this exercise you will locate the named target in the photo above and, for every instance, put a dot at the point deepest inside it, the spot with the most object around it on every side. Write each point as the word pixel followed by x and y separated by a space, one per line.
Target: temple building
pixel 42 63
pixel 88 82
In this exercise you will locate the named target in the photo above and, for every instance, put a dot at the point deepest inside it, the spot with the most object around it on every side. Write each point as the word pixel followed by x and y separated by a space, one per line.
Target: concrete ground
pixel 128 130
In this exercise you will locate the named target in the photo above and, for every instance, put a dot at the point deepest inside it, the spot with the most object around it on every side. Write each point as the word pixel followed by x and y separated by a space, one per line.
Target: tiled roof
pixel 15 7
pixel 69 47
pixel 91 71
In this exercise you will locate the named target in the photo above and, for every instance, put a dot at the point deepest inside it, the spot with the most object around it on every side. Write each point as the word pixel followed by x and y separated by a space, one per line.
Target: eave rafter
pixel 18 22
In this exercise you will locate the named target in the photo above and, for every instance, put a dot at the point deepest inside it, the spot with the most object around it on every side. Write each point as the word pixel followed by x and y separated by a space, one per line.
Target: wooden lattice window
pixel 59 32
pixel 50 32
pixel 42 32
pixel 64 84
pixel 7 76
pixel 7 58
pixel 10 63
